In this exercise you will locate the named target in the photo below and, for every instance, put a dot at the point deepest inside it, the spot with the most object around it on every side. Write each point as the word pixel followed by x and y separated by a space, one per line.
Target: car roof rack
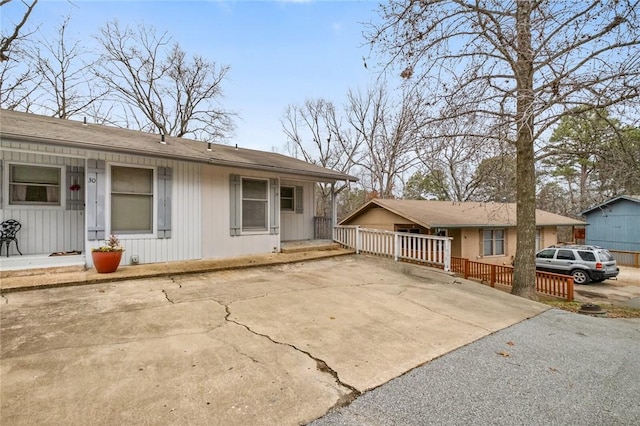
pixel 577 247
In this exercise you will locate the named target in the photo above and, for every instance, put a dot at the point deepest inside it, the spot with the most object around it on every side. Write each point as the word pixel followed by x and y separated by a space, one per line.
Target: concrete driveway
pixel 272 345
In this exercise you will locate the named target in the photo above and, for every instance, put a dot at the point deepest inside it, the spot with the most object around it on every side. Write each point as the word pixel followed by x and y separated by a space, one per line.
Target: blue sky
pixel 279 52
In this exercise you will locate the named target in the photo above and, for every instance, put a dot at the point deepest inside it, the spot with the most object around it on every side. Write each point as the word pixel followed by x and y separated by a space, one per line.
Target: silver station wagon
pixel 585 263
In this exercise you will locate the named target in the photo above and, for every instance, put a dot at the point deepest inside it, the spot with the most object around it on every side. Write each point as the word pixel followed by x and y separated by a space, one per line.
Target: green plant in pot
pixel 106 258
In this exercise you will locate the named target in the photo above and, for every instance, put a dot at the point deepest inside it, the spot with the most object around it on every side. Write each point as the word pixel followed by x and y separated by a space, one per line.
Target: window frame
pixel 540 254
pixel 137 234
pixel 564 254
pixel 409 230
pixel 493 242
pixel 587 256
pixel 59 205
pixel 441 232
pixel 292 209
pixel 245 230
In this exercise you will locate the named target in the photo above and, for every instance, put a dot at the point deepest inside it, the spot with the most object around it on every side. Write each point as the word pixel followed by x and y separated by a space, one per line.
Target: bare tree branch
pixel 18 81
pixel 64 68
pixel 161 90
pixel 315 133
pixel 388 131
pixel 7 40
pixel 521 64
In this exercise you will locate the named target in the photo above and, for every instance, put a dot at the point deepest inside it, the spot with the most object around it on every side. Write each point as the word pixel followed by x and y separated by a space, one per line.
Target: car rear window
pixel 587 256
pixel 605 256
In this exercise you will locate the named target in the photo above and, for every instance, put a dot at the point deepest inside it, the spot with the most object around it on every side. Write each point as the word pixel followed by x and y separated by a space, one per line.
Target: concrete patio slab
pixel 270 345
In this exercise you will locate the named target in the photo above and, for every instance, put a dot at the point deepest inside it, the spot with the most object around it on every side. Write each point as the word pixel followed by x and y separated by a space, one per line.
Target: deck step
pixel 310 247
pixel 12 273
pixel 38 264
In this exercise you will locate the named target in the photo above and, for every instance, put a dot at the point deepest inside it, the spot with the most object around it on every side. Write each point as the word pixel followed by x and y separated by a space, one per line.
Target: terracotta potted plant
pixel 106 258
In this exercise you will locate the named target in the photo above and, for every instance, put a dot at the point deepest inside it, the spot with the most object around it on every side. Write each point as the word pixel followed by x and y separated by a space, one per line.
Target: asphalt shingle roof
pixel 28 127
pixel 449 214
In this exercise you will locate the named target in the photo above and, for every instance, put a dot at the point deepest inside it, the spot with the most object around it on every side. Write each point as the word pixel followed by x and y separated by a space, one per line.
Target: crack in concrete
pixel 401 291
pixel 448 316
pixel 173 280
pixel 6 301
pixel 321 365
pixel 405 288
pixel 167 296
pixel 242 353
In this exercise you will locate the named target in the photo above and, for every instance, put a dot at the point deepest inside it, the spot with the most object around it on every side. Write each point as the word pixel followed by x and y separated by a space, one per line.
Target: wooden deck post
pixel 570 289
pixel 493 276
pixel 465 268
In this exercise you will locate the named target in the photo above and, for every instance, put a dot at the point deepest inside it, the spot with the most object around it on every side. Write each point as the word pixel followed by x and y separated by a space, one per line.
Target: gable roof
pixel 21 126
pixel 632 198
pixel 449 214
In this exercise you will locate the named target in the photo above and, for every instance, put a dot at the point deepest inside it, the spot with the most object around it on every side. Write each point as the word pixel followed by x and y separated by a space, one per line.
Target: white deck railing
pixel 429 249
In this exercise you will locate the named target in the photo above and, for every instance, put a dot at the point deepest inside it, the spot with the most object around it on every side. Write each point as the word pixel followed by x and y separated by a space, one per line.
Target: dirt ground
pixel 629 275
pixel 625 289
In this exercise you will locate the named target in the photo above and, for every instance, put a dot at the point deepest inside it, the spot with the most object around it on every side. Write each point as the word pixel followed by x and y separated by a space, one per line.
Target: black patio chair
pixel 8 230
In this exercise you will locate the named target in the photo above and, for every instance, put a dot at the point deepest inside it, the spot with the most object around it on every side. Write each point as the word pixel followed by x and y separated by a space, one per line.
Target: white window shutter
pixel 235 204
pixel 165 180
pixel 299 199
pixel 96 198
pixel 1 184
pixel 274 227
pixel 75 188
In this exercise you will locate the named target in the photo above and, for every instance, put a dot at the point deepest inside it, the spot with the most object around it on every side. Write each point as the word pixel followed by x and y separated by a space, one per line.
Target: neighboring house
pixel 615 224
pixel 71 184
pixel 484 231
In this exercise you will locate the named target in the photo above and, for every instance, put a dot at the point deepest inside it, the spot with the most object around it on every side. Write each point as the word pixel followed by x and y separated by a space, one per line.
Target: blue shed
pixel 615 224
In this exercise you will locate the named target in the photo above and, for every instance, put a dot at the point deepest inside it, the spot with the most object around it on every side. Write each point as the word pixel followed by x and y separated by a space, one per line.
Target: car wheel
pixel 580 276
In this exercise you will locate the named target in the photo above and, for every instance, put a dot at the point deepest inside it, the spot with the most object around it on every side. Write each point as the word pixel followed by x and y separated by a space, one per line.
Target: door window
pixel 565 255
pixel 546 254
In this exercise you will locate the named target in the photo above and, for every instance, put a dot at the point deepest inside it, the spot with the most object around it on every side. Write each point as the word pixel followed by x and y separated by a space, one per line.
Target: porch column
pixel 334 206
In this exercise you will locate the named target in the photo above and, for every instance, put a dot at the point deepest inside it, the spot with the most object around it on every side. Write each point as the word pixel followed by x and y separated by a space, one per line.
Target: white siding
pixel 217 241
pixel 47 230
pixel 44 229
pixel 299 226
pixel 200 225
pixel 185 241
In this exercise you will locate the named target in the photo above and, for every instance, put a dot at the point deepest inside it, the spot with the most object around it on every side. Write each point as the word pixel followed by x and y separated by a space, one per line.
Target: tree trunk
pixel 584 174
pixel 524 274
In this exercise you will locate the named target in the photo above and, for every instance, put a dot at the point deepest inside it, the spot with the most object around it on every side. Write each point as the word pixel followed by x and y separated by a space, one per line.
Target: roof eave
pixel 409 217
pixel 608 202
pixel 502 225
pixel 324 177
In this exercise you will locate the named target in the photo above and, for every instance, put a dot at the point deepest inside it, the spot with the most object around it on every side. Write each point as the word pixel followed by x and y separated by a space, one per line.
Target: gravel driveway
pixel 558 368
